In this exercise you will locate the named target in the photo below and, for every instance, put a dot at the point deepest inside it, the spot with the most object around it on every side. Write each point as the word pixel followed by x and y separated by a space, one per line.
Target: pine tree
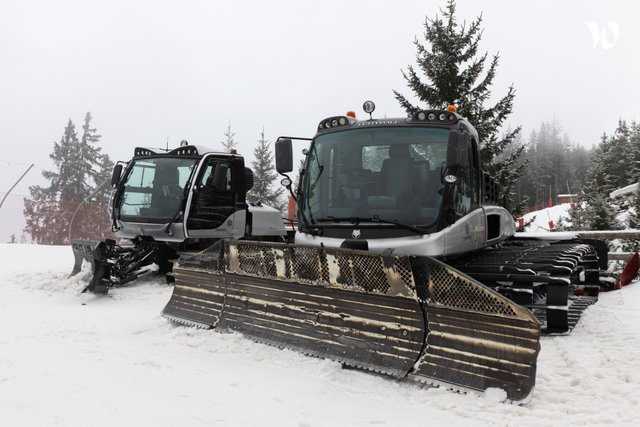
pixel 265 176
pixel 577 217
pixel 454 75
pixel 579 161
pixel 633 222
pixel 555 165
pixel 229 142
pixel 45 211
pixel 617 156
pixel 92 213
pixel 56 213
pixel 527 183
pixel 633 218
pixel 67 181
pixel 634 142
pixel 600 212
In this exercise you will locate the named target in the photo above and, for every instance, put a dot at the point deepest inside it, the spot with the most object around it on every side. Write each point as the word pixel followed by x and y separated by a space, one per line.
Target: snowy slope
pixel 542 217
pixel 73 359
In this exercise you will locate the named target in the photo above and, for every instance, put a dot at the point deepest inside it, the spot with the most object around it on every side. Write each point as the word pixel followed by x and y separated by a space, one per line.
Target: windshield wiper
pixel 183 202
pixel 356 220
pixel 306 222
pixel 312 186
pixel 178 213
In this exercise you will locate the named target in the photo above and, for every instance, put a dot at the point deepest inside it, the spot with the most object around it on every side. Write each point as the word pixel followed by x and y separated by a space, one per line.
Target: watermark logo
pixel 605 36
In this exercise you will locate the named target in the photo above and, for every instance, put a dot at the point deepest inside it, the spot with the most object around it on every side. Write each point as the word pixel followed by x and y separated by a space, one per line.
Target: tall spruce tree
pixel 600 212
pixel 577 217
pixel 633 218
pixel 56 213
pixel 44 211
pixel 229 139
pixel 265 176
pixel 634 142
pixel 633 221
pixel 454 75
pixel 617 156
pixel 97 167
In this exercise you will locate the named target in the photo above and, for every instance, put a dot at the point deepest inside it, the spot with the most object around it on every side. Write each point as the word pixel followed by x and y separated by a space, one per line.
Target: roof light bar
pixel 333 122
pixel 436 116
pixel 143 152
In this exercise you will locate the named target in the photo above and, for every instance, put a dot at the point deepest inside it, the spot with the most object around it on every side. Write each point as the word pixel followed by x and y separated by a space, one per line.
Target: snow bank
pixel 632 188
pixel 75 359
pixel 542 217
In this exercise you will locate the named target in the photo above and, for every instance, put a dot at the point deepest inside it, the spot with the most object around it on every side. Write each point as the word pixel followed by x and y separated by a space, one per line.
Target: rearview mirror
pixel 115 175
pixel 284 155
pixel 457 150
pixel 220 177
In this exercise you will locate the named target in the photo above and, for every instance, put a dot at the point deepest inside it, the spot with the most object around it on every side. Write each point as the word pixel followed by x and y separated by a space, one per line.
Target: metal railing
pixel 610 235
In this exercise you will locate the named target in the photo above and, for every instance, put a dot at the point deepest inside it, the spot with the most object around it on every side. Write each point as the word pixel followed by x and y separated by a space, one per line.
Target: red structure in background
pixel 291 209
pixel 630 271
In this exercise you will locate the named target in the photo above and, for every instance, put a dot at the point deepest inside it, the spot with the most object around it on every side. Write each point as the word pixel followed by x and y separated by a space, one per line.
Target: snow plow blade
pixel 83 250
pixel 95 252
pixel 397 315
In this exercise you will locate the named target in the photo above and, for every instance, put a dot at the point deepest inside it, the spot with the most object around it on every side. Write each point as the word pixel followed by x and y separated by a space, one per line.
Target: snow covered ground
pixel 542 217
pixel 71 359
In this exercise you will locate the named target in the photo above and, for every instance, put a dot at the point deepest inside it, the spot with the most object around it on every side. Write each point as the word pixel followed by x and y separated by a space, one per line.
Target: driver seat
pixel 396 172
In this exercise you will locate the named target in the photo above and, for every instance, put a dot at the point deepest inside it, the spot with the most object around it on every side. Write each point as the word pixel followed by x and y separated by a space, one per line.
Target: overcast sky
pixel 152 71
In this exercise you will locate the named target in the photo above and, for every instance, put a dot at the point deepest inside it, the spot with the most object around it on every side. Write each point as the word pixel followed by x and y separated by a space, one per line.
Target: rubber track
pixel 541 275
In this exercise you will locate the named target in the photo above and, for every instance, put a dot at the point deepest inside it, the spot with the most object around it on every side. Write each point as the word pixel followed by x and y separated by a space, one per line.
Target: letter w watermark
pixel 601 35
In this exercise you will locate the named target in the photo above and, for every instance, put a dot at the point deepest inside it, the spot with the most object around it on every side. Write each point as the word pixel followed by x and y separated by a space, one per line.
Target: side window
pixel 474 170
pixel 206 179
pixel 211 206
pixel 466 189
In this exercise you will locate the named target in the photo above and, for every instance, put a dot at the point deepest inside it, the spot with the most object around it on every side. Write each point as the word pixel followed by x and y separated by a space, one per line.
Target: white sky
pixel 155 70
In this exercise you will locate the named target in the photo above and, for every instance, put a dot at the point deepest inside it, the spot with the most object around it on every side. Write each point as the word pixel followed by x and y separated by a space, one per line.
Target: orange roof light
pixel 351 114
pixel 452 108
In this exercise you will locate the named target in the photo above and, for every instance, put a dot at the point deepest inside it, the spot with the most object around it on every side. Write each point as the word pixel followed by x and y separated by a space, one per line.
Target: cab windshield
pixel 154 187
pixel 376 174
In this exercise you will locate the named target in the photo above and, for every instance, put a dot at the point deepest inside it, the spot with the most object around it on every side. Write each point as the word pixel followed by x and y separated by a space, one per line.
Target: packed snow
pixel 72 359
pixel 547 219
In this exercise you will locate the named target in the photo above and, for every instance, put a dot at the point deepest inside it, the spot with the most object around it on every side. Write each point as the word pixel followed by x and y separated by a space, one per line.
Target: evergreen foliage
pixel 616 159
pixel 633 222
pixel 265 177
pixel 614 164
pixel 633 219
pixel 634 142
pixel 556 165
pixel 455 74
pixel 600 212
pixel 228 142
pixel 577 217
pixel 53 214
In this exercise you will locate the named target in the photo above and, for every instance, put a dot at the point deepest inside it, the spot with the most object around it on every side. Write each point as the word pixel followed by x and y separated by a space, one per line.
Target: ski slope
pixel 540 219
pixel 72 359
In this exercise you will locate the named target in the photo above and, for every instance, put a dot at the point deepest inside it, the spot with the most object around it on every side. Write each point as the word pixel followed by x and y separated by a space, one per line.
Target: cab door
pixel 217 212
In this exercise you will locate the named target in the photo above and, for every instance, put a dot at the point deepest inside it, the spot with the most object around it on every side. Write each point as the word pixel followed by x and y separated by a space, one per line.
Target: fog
pixel 155 72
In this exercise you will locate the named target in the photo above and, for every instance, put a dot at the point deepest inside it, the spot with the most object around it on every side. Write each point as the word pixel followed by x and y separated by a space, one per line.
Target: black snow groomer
pixel 403 316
